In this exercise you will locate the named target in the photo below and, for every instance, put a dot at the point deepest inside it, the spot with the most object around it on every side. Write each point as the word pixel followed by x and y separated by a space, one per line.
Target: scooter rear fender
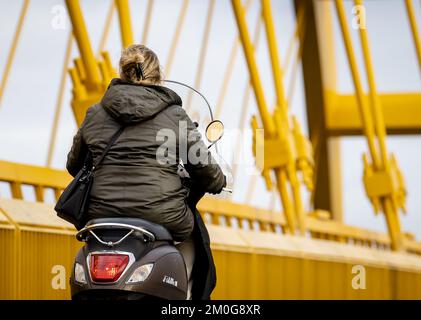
pixel 167 280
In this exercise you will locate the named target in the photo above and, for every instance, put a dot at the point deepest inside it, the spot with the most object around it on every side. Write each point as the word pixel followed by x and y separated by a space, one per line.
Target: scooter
pixel 130 258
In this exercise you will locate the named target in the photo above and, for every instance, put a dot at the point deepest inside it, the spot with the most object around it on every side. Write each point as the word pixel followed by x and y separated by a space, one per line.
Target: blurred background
pixel 31 93
pixel 324 79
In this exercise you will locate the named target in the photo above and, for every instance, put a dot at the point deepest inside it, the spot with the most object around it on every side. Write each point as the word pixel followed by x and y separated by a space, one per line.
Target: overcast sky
pixel 27 107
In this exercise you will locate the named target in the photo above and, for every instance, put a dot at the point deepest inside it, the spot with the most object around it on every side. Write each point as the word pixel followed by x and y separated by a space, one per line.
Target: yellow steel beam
pixel 125 22
pixel 283 123
pixel 414 29
pixel 300 30
pixel 93 76
pixel 282 113
pixel 106 30
pixel 267 121
pixel 282 103
pixel 227 77
pixel 277 72
pixel 376 109
pixel 368 125
pixel 90 77
pixel 245 103
pixel 319 75
pixel 296 35
pixel 59 103
pixel 147 23
pixel 280 144
pixel 400 110
pixel 12 51
pixel 229 70
pixel 202 55
pixel 176 37
pixel 390 201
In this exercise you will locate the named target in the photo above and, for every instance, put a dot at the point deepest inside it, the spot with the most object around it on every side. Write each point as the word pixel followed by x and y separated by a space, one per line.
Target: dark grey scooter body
pixel 168 278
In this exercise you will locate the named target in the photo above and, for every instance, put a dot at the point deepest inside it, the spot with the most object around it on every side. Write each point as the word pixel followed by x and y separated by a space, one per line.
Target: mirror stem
pixel 211 144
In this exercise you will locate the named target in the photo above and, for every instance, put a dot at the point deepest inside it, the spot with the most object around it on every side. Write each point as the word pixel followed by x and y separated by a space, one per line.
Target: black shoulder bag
pixel 73 203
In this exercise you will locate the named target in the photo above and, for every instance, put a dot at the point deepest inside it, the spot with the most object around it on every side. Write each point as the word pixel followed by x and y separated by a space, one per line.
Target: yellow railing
pixel 319 225
pixel 38 250
pixel 216 211
pixel 221 212
pixel 17 175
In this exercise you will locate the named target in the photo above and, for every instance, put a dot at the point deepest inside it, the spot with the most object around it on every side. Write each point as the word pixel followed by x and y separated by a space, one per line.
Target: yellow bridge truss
pixel 302 254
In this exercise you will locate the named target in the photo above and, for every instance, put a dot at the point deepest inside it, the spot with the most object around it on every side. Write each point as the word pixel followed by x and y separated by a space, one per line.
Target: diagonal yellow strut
pixel 374 130
pixel 12 51
pixel 177 33
pixel 414 29
pixel 125 22
pixel 59 103
pixel 282 108
pixel 229 70
pixel 277 129
pixel 147 23
pixel 93 76
pixel 203 50
pixel 107 27
pixel 267 120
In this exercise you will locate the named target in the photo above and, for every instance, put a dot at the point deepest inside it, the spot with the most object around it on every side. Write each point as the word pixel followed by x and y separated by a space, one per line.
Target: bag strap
pixel 107 148
pixel 88 159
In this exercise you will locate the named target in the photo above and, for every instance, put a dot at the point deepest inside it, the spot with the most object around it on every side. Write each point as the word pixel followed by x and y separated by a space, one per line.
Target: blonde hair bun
pixel 138 53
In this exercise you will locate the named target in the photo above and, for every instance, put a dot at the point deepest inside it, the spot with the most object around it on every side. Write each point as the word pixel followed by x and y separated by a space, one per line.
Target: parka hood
pixel 130 103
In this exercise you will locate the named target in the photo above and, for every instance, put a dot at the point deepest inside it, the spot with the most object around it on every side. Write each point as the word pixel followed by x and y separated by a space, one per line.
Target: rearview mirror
pixel 214 131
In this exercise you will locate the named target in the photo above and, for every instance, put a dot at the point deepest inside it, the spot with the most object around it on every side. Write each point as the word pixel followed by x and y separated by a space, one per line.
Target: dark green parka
pixel 131 182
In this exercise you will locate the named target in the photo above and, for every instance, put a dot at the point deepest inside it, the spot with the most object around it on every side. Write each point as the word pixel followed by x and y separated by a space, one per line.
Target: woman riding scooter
pixel 133 181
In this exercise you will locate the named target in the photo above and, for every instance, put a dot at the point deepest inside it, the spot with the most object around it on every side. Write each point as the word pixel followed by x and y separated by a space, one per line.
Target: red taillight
pixel 108 267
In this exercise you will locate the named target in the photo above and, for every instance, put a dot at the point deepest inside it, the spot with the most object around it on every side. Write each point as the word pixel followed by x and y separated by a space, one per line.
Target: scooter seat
pixel 160 232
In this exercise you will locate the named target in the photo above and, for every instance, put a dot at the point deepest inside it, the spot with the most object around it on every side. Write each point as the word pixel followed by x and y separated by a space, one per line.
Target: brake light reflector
pixel 107 267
